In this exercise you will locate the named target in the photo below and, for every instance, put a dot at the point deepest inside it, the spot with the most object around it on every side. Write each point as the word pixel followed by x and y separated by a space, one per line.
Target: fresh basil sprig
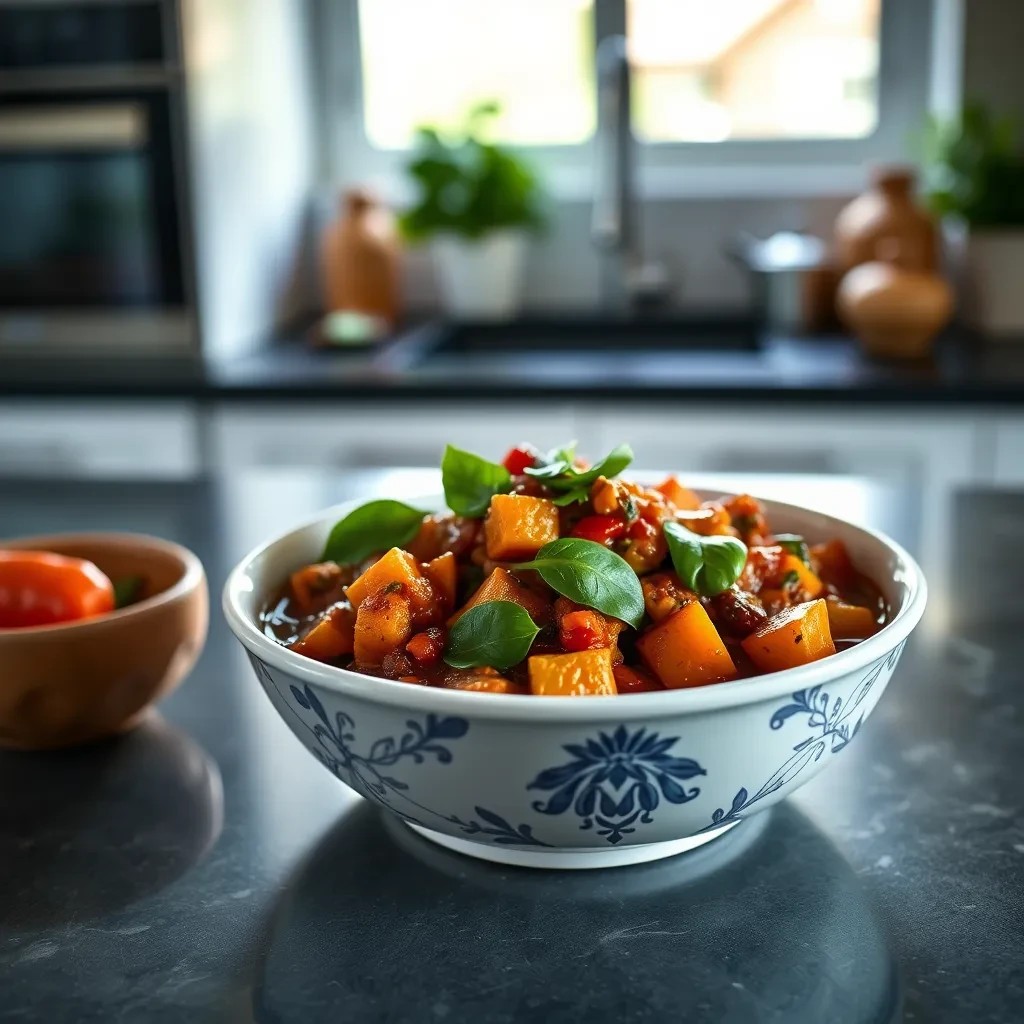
pixel 127 590
pixel 795 545
pixel 592 575
pixel 376 526
pixel 560 474
pixel 471 481
pixel 496 633
pixel 707 565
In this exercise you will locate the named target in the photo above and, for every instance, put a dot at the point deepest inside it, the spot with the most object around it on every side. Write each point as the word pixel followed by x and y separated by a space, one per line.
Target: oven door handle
pixel 77 128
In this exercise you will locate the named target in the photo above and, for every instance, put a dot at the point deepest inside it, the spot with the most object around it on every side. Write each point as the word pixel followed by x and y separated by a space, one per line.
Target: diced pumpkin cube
pixel 794 636
pixel 808 585
pixel 686 650
pixel 680 496
pixel 485 684
pixel 631 680
pixel 501 585
pixel 443 573
pixel 850 621
pixel 832 562
pixel 383 625
pixel 580 674
pixel 396 566
pixel 518 526
pixel 315 587
pixel 331 637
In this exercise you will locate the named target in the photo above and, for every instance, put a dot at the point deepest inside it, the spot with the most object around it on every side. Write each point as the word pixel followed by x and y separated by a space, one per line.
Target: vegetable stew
pixel 553 577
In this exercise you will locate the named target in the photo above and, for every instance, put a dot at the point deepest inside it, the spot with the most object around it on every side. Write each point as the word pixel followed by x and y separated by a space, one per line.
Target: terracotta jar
pixel 360 259
pixel 886 218
pixel 895 312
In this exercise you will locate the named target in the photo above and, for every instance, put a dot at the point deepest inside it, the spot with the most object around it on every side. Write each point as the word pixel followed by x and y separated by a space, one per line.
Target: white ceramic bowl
pixel 577 781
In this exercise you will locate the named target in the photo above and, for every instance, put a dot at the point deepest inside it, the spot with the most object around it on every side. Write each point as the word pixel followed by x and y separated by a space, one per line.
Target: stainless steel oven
pixel 94 245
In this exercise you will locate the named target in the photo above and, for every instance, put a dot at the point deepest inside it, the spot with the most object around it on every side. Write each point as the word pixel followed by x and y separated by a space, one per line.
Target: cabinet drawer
pixel 377 436
pixel 79 439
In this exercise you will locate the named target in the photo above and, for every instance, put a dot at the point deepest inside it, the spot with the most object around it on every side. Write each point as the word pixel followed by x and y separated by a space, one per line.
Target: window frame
pixel 665 170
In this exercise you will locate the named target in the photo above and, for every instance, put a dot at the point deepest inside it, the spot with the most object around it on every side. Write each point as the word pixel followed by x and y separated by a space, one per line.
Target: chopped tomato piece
pixel 520 459
pixel 39 588
pixel 601 529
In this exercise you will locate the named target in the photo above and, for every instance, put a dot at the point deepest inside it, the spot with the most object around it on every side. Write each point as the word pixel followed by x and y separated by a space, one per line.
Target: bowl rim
pixel 191 578
pixel 766 687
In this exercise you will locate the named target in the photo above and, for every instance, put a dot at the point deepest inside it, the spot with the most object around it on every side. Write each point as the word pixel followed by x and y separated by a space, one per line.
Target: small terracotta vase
pixel 895 312
pixel 887 217
pixel 361 259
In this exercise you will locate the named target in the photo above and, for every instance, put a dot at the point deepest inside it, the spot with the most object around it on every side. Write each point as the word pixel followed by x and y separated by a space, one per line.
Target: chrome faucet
pixel 628 282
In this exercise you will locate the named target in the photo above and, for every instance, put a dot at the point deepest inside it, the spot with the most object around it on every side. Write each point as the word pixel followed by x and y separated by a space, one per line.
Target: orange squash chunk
pixel 850 621
pixel 794 636
pixel 383 625
pixel 485 684
pixel 580 674
pixel 808 585
pixel 686 650
pixel 331 637
pixel 518 526
pixel 397 566
pixel 501 585
pixel 443 573
pixel 680 496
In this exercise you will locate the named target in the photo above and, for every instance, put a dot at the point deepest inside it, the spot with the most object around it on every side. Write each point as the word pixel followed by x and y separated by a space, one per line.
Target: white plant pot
pixel 480 280
pixel 994 282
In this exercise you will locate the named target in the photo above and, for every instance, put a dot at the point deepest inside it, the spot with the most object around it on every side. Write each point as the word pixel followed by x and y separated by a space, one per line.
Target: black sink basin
pixel 556 346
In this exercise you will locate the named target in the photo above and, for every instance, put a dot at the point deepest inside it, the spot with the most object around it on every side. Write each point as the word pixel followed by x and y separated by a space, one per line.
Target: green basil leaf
pixel 376 526
pixel 707 565
pixel 592 575
pixel 127 590
pixel 795 545
pixel 470 482
pixel 790 580
pixel 497 634
pixel 561 474
pixel 572 497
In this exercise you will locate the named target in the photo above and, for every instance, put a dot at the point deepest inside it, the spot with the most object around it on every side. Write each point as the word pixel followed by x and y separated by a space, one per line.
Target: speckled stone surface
pixel 205 868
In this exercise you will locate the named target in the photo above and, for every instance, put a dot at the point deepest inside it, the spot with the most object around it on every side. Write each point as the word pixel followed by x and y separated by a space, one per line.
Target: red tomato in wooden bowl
pixel 38 588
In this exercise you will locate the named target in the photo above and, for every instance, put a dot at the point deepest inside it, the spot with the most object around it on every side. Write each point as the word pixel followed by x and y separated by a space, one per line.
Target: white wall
pixel 251 139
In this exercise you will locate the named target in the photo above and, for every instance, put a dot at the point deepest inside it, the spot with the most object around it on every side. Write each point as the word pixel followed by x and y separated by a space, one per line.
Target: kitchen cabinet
pixel 99 440
pixel 1008 451
pixel 380 434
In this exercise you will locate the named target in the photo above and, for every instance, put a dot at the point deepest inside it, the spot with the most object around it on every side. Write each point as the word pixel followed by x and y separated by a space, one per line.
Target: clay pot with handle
pixel 886 216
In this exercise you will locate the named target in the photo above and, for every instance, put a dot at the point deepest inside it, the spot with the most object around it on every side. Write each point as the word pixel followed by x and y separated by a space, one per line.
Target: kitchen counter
pixel 205 867
pixel 965 371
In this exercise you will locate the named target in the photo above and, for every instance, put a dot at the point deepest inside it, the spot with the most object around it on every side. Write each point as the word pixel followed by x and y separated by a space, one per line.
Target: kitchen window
pixel 760 94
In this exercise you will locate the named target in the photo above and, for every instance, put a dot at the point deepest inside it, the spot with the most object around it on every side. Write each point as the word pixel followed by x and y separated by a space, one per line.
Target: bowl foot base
pixel 571 859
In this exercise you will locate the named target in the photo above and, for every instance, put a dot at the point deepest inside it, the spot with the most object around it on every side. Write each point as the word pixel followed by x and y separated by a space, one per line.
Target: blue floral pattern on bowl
pixel 617 780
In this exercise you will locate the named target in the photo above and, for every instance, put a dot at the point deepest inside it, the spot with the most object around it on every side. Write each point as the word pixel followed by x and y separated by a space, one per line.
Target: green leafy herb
pixel 470 481
pixel 376 526
pixel 560 474
pixel 707 565
pixel 628 506
pixel 791 579
pixel 592 575
pixel 496 633
pixel 795 545
pixel 127 590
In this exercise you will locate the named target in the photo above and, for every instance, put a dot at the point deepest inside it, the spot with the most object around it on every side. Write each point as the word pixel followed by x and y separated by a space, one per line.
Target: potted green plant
pixel 975 178
pixel 477 204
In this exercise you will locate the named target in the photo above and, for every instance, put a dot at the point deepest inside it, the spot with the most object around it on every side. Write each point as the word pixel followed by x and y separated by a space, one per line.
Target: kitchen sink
pixel 588 346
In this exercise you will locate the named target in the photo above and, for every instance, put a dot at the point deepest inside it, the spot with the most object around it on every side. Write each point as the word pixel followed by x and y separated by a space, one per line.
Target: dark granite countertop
pixel 205 868
pixel 727 362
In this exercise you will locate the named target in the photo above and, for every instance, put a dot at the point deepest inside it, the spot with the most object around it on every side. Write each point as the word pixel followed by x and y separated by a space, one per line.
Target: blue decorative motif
pixel 617 780
pixel 498 829
pixel 833 726
pixel 368 774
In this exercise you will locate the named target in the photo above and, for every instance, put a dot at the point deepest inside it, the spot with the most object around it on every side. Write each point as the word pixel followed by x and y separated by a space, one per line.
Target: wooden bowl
pixel 75 682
